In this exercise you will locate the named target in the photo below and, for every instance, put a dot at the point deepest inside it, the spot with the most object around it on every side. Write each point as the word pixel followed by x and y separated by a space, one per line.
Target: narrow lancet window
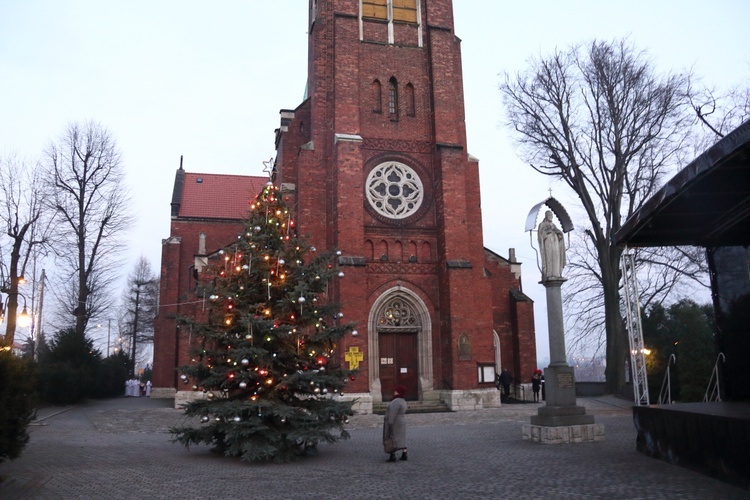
pixel 393 98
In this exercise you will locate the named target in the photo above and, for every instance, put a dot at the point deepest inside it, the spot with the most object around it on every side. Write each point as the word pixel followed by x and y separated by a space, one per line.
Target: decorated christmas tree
pixel 267 363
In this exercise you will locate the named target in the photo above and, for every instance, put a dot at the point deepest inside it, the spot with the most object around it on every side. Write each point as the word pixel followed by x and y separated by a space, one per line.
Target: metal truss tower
pixel 635 330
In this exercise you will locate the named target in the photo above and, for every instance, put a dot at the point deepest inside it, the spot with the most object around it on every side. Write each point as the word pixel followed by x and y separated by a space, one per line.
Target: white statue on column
pixel 551 248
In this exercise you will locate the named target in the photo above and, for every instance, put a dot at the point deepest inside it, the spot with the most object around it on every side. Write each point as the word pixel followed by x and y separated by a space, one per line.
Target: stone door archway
pixel 399 315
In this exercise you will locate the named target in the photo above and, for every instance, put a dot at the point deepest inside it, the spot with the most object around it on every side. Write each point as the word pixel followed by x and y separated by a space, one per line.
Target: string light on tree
pixel 267 361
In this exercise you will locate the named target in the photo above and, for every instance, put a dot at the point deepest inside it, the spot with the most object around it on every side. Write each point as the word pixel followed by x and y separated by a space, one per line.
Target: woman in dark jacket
pixel 394 425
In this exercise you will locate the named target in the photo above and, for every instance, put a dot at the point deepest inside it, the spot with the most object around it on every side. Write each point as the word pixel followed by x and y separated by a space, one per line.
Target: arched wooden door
pixel 398 333
pixel 399 363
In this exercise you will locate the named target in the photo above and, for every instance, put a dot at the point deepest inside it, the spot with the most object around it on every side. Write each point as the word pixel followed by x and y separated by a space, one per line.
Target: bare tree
pixel 26 227
pixel 140 307
pixel 665 274
pixel 599 118
pixel 720 112
pixel 86 174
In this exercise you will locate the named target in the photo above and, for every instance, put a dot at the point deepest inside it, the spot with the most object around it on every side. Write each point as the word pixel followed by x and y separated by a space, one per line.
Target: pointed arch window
pixel 393 98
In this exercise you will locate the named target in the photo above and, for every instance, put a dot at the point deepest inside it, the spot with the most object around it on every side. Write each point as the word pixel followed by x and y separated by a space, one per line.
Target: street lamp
pixel 23 320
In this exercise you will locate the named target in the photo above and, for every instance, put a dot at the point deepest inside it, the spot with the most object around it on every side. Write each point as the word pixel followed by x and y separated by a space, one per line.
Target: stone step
pixel 415 407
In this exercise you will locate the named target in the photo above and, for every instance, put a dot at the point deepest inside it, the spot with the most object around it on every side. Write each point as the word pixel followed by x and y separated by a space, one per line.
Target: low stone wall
pixel 591 389
pixel 473 399
pixel 565 434
pixel 362 402
pixel 163 392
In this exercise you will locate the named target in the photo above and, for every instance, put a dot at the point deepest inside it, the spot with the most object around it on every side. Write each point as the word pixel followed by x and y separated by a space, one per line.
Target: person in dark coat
pixel 394 424
pixel 536 383
pixel 504 379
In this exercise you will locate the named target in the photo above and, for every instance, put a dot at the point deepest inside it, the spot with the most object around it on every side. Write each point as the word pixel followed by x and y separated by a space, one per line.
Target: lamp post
pixel 22 320
pixel 138 285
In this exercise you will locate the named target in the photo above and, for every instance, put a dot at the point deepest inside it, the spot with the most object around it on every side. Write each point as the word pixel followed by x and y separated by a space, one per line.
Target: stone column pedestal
pixel 561 408
pixel 561 420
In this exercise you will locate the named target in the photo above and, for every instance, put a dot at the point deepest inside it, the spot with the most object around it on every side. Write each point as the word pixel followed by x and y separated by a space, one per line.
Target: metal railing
pixel 713 391
pixel 665 394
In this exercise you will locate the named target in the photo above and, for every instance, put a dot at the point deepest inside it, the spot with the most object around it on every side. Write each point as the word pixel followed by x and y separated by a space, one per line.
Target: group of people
pixel 504 379
pixel 134 388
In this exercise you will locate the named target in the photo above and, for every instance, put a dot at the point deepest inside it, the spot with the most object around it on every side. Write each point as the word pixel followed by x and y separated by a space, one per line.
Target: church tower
pixel 374 163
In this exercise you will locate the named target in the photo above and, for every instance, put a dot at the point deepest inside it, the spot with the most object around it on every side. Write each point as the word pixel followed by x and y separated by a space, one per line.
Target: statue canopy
pixel 557 209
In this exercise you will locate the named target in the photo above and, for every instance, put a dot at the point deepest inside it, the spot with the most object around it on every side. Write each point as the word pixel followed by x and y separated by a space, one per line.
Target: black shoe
pixel 392 458
pixel 404 456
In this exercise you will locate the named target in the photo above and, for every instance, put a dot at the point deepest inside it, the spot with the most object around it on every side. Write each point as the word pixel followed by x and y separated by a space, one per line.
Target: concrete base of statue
pixel 563 434
pixel 561 408
pixel 561 420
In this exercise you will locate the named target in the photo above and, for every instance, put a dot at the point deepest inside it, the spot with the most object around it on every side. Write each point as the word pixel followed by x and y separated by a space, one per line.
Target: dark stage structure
pixel 707 204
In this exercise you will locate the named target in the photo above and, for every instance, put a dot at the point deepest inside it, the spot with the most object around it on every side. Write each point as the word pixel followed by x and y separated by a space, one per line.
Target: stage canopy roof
pixel 706 204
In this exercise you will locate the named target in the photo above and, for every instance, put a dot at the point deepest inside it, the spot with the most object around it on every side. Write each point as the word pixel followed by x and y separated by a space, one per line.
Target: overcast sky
pixel 207 80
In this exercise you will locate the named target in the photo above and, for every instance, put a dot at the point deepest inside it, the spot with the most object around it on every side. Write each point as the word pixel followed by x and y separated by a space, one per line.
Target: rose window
pixel 394 190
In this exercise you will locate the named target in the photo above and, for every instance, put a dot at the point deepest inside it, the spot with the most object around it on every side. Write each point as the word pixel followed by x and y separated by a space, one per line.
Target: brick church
pixel 373 162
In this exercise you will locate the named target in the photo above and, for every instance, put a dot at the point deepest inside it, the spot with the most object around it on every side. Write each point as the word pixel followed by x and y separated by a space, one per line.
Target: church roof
pixel 217 196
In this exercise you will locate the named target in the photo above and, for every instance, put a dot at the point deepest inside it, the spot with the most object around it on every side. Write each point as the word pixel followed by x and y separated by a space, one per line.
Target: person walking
pixel 394 425
pixel 536 384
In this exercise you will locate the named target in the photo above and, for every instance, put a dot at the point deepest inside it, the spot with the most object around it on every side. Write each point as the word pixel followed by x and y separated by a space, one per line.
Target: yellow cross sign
pixel 354 357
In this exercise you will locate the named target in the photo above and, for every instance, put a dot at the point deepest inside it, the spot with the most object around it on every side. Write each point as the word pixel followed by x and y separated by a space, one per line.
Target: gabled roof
pixel 215 196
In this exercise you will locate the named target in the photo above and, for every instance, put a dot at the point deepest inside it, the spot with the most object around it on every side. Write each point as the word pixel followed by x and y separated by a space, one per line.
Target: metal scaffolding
pixel 635 331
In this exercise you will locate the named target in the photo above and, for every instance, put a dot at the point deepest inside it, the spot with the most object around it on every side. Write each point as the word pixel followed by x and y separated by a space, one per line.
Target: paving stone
pixel 121 448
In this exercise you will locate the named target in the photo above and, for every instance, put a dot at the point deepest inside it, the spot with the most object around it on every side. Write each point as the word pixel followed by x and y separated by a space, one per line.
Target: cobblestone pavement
pixel 121 448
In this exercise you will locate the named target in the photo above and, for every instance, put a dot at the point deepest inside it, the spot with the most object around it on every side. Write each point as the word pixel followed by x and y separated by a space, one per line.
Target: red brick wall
pixel 177 290
pixel 513 318
pixel 330 179
pixel 326 150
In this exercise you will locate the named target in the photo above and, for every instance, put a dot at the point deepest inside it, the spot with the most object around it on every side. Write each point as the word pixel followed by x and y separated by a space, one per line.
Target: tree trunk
pixel 617 345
